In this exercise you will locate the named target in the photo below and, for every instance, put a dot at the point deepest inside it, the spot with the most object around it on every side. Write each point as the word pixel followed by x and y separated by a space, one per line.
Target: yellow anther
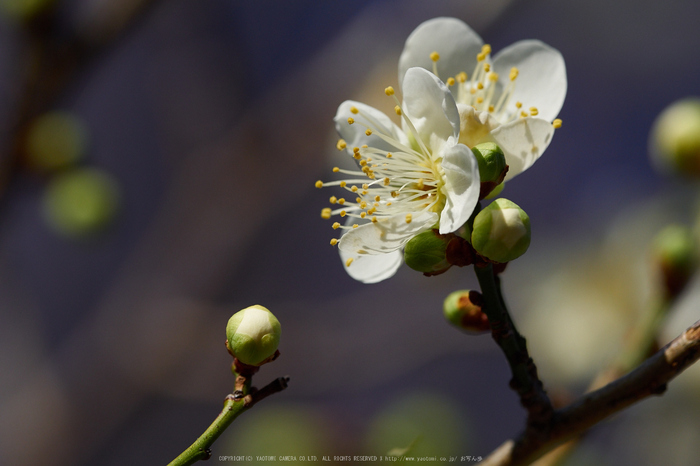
pixel 363 205
pixel 374 219
pixel 365 186
pixel 366 170
pixel 557 123
pixel 534 111
pixel 319 184
pixel 397 109
pixel 491 108
pixel 326 213
pixel 364 146
pixel 363 163
pixel 472 90
pixel 355 225
pixel 336 169
pixel 341 144
pixel 357 155
pixel 513 73
pixel 354 110
pixel 377 198
pixel 389 91
pixel 450 81
pixel 387 181
pixel 356 149
pixel 343 184
pixel 358 199
pixel 353 189
pixel 388 204
pixel 368 132
pixel 461 77
pixel 364 192
pixel 480 100
pixel 363 214
pixel 486 49
pixel 336 225
pixel 394 194
pixel 388 155
pixel 341 201
pixel 409 218
pixel 518 104
pixel 434 56
pixel 351 120
pixel 343 213
pixel 481 57
pixel 487 67
pixel 348 262
pixel 523 114
pixel 334 241
pixel 420 184
pixel 333 199
pixel 372 210
pixel 493 77
pixel 480 86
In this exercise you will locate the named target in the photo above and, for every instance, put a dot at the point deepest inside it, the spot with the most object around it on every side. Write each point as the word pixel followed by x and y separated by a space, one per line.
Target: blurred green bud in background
pixel 81 201
pixel 674 141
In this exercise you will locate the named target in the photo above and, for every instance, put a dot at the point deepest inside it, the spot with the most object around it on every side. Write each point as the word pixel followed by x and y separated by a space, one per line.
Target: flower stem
pixel 234 405
pixel 525 381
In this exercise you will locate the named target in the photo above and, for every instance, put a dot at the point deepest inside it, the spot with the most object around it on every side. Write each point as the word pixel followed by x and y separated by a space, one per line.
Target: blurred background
pixel 157 175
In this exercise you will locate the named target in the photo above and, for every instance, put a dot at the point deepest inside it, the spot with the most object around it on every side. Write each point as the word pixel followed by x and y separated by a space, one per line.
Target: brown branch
pixel 650 378
pixel 525 381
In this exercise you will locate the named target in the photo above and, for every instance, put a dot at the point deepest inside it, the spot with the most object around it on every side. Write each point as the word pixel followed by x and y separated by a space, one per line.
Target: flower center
pixel 483 91
pixel 402 181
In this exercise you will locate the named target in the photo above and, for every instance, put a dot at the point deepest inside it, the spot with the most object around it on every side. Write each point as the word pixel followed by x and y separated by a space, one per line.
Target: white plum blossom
pixel 512 99
pixel 408 179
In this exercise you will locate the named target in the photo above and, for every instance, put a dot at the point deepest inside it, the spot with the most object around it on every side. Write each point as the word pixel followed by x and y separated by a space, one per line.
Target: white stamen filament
pixel 403 181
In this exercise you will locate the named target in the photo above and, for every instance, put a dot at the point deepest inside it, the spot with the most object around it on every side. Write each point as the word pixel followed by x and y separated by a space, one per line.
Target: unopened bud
pixel 253 335
pixel 463 310
pixel 492 166
pixel 675 138
pixel 426 252
pixel 674 252
pixel 501 231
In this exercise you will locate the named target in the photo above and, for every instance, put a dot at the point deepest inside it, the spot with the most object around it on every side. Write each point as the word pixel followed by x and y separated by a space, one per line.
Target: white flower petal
pixel 523 141
pixel 373 268
pixel 387 234
pixel 541 80
pixel 456 43
pixel 354 134
pixel 461 188
pixel 430 107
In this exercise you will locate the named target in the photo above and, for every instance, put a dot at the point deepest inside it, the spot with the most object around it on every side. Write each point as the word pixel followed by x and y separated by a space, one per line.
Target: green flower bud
pixel 495 192
pixel 463 310
pixel 674 252
pixel 675 137
pixel 492 162
pixel 426 252
pixel 253 335
pixel 501 231
pixel 81 201
pixel 55 140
